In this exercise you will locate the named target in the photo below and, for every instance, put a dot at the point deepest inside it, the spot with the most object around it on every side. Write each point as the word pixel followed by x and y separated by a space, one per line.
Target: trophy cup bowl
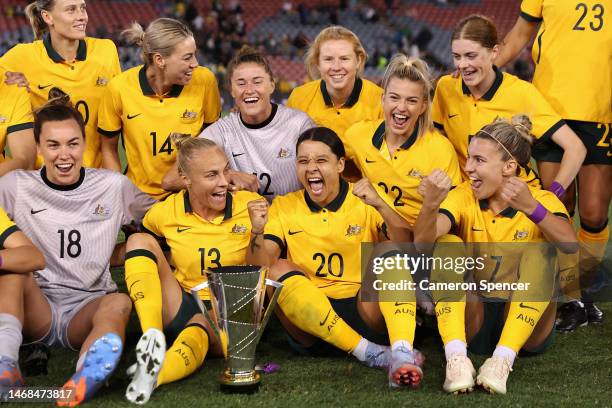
pixel 238 318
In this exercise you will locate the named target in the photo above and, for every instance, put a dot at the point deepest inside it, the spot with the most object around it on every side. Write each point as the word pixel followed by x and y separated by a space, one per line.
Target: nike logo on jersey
pixel 44 86
pixel 236 155
pixel 133 116
pixel 179 229
pixel 401 303
pixel 326 317
pixel 33 211
pixel 521 305
pixel 452 116
pixel 370 161
pixel 295 232
pixel 476 229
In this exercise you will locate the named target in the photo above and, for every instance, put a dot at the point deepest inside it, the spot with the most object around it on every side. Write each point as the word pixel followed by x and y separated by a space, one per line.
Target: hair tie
pixel 500 143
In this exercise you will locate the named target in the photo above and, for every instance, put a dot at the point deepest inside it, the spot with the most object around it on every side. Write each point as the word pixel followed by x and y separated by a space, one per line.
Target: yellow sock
pixel 186 354
pixel 522 319
pixel 307 307
pixel 592 250
pixel 144 287
pixel 449 305
pixel 569 275
pixel 400 318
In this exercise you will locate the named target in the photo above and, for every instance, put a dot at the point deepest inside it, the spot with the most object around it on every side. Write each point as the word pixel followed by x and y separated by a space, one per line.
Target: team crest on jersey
pixel 239 229
pixel 101 81
pixel 520 235
pixel 101 210
pixel 415 173
pixel 189 116
pixel 353 230
pixel 3 119
pixel 283 154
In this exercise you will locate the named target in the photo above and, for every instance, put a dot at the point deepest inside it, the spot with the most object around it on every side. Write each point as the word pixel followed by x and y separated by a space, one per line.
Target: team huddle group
pixel 297 188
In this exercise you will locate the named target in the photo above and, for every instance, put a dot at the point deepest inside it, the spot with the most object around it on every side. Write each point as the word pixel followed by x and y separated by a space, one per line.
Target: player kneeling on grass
pixel 322 228
pixel 205 227
pixel 494 206
pixel 74 215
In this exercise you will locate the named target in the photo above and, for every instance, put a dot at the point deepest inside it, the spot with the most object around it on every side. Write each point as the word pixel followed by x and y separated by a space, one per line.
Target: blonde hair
pixel 414 70
pixel 513 138
pixel 160 37
pixel 333 33
pixel 33 12
pixel 187 146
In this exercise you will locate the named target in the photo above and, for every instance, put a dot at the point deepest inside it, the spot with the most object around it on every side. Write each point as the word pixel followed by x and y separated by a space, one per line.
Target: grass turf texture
pixel 575 371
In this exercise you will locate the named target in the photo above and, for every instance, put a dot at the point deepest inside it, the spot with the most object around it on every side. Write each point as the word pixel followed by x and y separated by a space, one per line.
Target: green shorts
pixel 596 139
pixel 187 310
pixel 347 310
pixel 485 341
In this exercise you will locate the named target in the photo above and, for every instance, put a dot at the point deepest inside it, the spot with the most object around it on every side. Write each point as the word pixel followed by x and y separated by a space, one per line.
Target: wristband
pixel 557 189
pixel 538 214
pixel 1 261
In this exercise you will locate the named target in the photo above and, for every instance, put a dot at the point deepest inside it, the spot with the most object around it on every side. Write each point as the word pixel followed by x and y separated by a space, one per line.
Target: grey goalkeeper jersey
pixel 75 226
pixel 266 150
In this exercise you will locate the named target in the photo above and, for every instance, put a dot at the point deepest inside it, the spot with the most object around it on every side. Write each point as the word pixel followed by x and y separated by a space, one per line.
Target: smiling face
pixel 206 179
pixel 474 62
pixel 178 67
pixel 67 18
pixel 486 168
pixel 403 103
pixel 318 170
pixel 62 146
pixel 338 65
pixel 252 88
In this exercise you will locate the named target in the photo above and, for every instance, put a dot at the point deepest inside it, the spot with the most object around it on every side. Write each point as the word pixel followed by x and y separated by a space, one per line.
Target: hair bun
pixel 57 97
pixel 179 139
pixel 523 126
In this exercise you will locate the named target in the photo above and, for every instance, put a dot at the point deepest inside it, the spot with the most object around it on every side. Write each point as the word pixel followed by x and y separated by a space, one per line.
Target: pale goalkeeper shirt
pixel 75 226
pixel 266 149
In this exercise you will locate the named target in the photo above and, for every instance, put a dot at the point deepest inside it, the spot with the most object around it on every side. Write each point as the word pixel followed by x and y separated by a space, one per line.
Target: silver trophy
pixel 238 319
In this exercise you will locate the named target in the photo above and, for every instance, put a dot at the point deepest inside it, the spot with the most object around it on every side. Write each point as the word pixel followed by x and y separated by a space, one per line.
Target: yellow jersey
pixel 197 244
pixel 130 107
pixel 325 242
pixel 83 79
pixel 573 56
pixel 455 111
pixel 7 227
pixel 15 111
pixel 397 177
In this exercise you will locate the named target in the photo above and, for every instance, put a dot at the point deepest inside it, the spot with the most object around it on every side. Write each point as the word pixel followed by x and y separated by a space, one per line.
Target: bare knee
pixel 593 220
pixel 142 241
pixel 281 267
pixel 115 305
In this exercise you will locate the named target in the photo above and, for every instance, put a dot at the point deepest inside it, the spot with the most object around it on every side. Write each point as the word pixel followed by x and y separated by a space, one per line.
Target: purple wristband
pixel 538 214
pixel 557 189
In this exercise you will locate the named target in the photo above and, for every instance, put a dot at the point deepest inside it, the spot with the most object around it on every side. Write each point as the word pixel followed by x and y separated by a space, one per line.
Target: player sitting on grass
pixel 497 206
pixel 74 215
pixel 205 227
pixel 322 228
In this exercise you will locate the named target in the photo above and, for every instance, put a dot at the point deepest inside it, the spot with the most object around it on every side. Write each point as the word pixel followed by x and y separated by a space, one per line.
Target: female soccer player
pixel 322 228
pixel 259 137
pixel 64 57
pixel 16 125
pixel 396 152
pixel 481 93
pixel 74 215
pixel 205 227
pixel 576 30
pixel 496 206
pixel 169 93
pixel 340 97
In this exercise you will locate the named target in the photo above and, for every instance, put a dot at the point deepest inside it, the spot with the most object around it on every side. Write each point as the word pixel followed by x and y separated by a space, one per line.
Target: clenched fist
pixel 367 193
pixel 258 213
pixel 242 181
pixel 516 192
pixel 435 187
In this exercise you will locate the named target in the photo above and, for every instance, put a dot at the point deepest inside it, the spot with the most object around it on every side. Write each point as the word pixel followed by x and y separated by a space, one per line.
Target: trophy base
pixel 246 382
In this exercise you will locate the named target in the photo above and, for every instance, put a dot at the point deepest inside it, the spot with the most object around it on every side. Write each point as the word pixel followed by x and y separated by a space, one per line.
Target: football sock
pixel 144 286
pixel 569 275
pixel 186 354
pixel 592 249
pixel 401 344
pixel 455 347
pixel 10 336
pixel 400 318
pixel 522 319
pixel 307 307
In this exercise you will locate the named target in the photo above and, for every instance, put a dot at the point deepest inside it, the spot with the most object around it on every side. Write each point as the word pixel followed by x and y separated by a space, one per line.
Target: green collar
pixel 379 136
pixel 507 212
pixel 228 205
pixel 335 204
pixel 499 77
pixel 55 57
pixel 175 91
pixel 352 99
